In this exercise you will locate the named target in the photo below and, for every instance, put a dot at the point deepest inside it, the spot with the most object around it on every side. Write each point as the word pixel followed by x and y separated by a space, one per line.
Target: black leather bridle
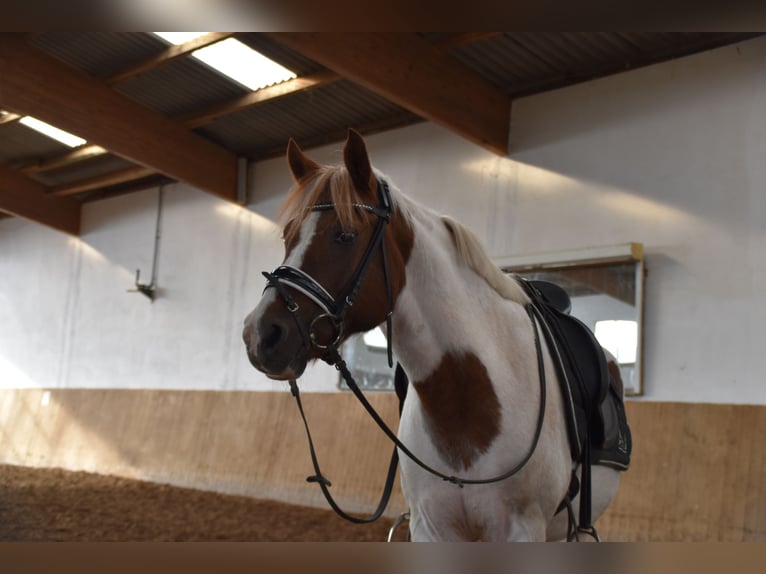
pixel 336 308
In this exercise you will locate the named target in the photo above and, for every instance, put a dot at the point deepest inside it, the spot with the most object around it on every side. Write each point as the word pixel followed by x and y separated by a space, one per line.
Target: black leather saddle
pixel 592 396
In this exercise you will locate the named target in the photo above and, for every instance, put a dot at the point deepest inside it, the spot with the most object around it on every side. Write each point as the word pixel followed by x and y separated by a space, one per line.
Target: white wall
pixel 69 322
pixel 670 156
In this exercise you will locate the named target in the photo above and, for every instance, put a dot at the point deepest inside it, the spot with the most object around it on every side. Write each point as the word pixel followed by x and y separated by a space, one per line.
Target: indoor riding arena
pixel 145 246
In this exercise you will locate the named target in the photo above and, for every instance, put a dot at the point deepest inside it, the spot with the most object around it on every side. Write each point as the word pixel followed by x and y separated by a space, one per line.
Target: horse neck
pixel 445 306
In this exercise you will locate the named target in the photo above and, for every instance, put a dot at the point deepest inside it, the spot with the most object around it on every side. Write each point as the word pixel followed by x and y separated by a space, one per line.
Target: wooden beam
pixel 167 55
pixel 36 84
pixel 76 155
pixel 463 38
pixel 202 117
pixel 261 96
pixel 414 74
pixel 24 197
pixel 8 117
pixel 99 181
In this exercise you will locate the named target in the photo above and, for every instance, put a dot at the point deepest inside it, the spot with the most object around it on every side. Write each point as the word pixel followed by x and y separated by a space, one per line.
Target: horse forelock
pixel 329 185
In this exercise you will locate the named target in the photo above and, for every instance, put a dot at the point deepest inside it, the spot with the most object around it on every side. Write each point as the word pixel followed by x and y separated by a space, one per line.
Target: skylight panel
pixel 243 64
pixel 235 60
pixel 177 38
pixel 53 132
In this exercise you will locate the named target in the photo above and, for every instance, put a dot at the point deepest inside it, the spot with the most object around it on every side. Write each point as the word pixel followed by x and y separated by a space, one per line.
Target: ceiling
pixel 151 113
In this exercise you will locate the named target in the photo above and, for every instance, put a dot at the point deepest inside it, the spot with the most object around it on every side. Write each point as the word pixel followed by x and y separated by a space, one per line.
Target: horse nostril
pixel 272 336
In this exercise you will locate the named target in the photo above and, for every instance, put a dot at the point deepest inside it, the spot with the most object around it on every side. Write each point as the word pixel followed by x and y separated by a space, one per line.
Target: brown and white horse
pixel 461 333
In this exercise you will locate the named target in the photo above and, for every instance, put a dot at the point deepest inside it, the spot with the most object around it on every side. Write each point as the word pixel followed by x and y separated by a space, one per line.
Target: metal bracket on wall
pixel 150 289
pixel 146 289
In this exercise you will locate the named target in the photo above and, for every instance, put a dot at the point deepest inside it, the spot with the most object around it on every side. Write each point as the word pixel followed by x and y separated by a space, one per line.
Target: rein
pixel 334 310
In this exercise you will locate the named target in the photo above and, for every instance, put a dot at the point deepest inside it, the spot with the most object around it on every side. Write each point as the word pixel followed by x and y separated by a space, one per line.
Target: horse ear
pixel 301 166
pixel 358 162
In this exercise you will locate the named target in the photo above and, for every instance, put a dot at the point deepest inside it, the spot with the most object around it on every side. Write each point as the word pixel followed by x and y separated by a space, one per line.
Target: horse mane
pixel 306 193
pixel 471 253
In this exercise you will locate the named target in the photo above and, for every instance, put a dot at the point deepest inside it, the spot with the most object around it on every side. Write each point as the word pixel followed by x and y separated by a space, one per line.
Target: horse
pixel 461 331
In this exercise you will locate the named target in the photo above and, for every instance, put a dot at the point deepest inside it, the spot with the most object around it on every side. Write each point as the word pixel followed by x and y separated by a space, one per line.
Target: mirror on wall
pixel 366 358
pixel 606 287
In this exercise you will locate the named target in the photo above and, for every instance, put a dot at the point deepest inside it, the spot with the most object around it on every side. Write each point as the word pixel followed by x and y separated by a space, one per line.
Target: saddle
pixel 593 402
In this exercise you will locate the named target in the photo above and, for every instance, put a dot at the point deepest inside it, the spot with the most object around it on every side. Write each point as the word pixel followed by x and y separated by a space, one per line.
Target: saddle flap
pixel 585 357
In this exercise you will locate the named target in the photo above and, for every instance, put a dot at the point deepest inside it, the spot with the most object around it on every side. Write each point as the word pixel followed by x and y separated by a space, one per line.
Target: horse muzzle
pixel 273 348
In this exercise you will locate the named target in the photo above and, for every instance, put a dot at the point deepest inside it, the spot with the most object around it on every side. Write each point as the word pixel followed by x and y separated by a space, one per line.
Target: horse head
pixel 346 248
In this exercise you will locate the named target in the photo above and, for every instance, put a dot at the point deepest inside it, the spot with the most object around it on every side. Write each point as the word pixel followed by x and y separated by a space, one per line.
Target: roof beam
pixel 24 197
pixel 8 117
pixel 202 117
pixel 92 110
pixel 99 181
pixel 451 41
pixel 416 75
pixel 168 55
pixel 76 155
pixel 261 96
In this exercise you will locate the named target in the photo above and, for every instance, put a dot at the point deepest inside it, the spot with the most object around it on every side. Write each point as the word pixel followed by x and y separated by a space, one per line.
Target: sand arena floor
pixel 57 505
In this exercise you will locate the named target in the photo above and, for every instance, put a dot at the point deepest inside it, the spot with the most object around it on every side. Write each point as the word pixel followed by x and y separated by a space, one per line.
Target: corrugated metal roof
pixel 257 131
pixel 181 86
pixel 93 167
pixel 290 59
pixel 519 63
pixel 100 54
pixel 19 143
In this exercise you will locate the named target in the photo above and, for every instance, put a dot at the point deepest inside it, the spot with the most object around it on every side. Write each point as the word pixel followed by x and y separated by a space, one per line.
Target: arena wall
pixel 697 470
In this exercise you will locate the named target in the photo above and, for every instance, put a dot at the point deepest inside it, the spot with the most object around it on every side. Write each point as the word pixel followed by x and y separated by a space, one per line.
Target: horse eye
pixel 345 237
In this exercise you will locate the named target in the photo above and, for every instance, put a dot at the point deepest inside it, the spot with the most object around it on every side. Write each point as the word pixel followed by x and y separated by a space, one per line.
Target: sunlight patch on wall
pixel 494 167
pixel 250 217
pixel 52 428
pixel 87 250
pixel 12 377
pixel 631 205
pixel 538 182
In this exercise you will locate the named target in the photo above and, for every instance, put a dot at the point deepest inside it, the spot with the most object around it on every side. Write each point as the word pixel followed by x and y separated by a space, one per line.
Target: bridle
pixel 336 308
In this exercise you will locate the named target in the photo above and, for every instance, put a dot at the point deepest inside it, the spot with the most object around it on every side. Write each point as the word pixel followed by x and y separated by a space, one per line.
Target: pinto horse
pixel 484 395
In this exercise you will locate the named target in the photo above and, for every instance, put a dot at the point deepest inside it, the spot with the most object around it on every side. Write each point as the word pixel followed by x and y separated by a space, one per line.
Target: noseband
pixel 335 308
